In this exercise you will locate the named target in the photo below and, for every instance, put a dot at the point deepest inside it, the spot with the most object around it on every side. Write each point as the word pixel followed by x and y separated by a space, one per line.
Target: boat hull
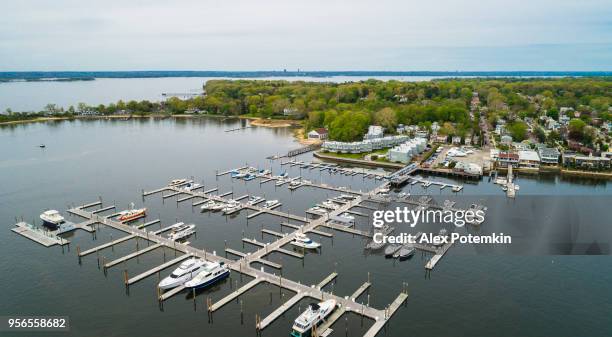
pixel 211 281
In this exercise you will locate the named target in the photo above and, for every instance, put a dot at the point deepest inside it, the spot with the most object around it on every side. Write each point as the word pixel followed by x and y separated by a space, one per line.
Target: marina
pixel 291 280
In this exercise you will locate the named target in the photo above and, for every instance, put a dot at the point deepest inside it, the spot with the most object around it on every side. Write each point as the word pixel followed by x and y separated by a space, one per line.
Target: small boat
pixel 391 249
pixel 191 186
pixel 373 245
pixel 217 206
pixel 263 173
pixel 175 182
pixel 329 204
pixel 284 175
pixel 295 183
pixel 404 252
pixel 457 188
pixel 348 216
pixel 347 196
pixel 42 146
pixel 253 200
pixel 249 177
pixel 280 182
pixel 240 175
pixel 231 207
pixel 314 314
pixel 210 273
pixel 181 232
pixel 132 214
pixel 207 206
pixel 303 241
pixel 270 203
pixel 384 190
pixel 185 272
pixel 52 218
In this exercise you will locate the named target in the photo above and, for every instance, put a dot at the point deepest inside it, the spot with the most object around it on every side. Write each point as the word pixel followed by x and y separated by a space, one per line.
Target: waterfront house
pixel 529 159
pixel 367 145
pixel 590 162
pixel 549 156
pixel 320 133
pixel 404 152
pixel 469 168
pixel 506 158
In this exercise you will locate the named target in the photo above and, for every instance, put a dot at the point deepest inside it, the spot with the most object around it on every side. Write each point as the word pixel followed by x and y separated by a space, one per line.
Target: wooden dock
pixel 217 305
pixel 279 311
pixel 38 235
pixel 106 245
pixel 326 280
pixel 131 256
pixel 157 269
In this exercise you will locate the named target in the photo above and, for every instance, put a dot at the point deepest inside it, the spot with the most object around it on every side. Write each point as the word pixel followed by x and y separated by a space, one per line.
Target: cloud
pixel 315 34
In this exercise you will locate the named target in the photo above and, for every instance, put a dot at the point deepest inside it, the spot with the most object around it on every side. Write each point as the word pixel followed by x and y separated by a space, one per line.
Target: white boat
pixel 347 216
pixel 329 204
pixel 191 187
pixel 301 240
pixel 131 214
pixel 185 272
pixel 240 175
pixel 181 231
pixel 280 182
pixel 231 207
pixel 314 314
pixel 210 273
pixel 295 183
pixel 175 182
pixel 52 218
pixel 263 173
pixel 217 206
pixel 347 196
pixel 253 200
pixel 384 190
pixel 270 203
pixel 207 206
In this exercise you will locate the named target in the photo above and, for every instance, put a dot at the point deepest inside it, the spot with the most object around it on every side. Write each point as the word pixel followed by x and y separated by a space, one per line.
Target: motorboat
pixel 181 232
pixel 391 249
pixel 311 317
pixel 42 146
pixel 249 177
pixel 373 245
pixel 263 173
pixel 253 200
pixel 185 272
pixel 210 273
pixel 294 183
pixel 191 187
pixel 347 196
pixel 175 182
pixel 301 240
pixel 240 175
pixel 329 204
pixel 348 216
pixel 217 206
pixel 317 209
pixel 132 214
pixel 403 195
pixel 270 203
pixel 207 206
pixel 231 207
pixel 281 181
pixel 404 252
pixel 52 218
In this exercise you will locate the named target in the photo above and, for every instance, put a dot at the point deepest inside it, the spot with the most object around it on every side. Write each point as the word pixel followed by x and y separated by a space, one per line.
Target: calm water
pixel 475 291
pixel 33 96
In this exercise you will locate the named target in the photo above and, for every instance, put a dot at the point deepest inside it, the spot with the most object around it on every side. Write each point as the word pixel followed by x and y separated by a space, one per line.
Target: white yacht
pixel 253 200
pixel 185 272
pixel 329 204
pixel 175 182
pixel 181 231
pixel 295 183
pixel 270 203
pixel 217 206
pixel 210 273
pixel 347 196
pixel 315 314
pixel 52 218
pixel 191 187
pixel 207 206
pixel 231 207
pixel 303 241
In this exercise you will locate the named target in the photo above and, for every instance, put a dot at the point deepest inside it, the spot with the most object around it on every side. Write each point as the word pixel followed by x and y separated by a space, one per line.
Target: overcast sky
pixel 310 35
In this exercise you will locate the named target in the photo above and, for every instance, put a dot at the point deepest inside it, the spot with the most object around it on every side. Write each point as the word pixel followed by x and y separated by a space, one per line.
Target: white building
pixel 549 155
pixel 506 139
pixel 367 145
pixel 529 159
pixel 469 168
pixel 320 133
pixel 374 131
pixel 406 151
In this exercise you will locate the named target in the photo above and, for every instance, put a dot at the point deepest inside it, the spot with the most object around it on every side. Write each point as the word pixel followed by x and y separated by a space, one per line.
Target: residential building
pixel 404 152
pixel 367 145
pixel 529 159
pixel 549 156
pixel 576 160
pixel 456 140
pixel 505 159
pixel 320 133
pixel 469 168
pixel 506 140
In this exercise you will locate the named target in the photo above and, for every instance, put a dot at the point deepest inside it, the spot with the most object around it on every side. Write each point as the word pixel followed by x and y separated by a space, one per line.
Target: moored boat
pixel 181 232
pixel 132 214
pixel 185 272
pixel 52 218
pixel 303 241
pixel 270 203
pixel 210 273
pixel 391 249
pixel 313 316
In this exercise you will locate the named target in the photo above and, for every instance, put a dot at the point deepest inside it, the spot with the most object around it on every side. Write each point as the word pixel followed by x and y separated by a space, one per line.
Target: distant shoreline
pixel 9 76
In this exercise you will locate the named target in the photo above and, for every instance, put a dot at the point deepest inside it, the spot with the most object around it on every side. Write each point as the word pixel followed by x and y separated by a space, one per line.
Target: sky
pixel 407 35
